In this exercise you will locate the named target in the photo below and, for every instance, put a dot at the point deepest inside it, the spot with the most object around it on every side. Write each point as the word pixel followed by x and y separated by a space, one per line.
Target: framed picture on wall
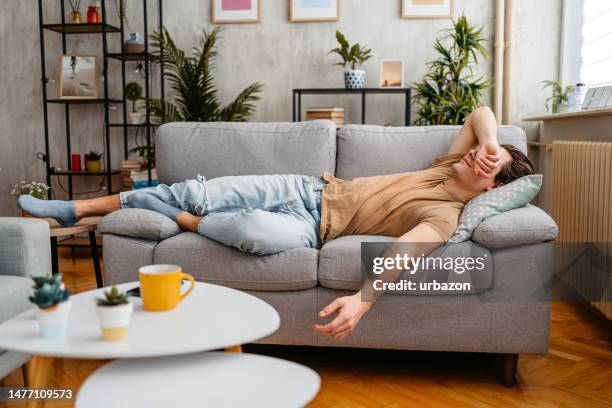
pixel 428 8
pixel 391 73
pixel 235 11
pixel 79 77
pixel 314 10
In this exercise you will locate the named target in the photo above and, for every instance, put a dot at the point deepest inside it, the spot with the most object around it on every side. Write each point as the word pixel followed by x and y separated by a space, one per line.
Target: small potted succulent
pixel 133 92
pixel 353 56
pixel 114 313
pixel 560 96
pixel 53 305
pixel 35 189
pixel 94 161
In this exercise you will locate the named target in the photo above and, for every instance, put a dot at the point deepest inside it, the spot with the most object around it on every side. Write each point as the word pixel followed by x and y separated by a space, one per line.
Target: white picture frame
pixel 588 99
pixel 79 77
pixel 235 11
pixel 391 75
pixel 427 9
pixel 599 98
pixel 314 10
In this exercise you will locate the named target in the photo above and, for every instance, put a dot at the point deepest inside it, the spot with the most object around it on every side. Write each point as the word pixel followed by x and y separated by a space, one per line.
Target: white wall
pixel 280 54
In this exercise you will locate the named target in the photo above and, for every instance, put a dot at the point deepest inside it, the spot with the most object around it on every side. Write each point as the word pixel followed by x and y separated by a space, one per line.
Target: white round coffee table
pixel 211 379
pixel 211 317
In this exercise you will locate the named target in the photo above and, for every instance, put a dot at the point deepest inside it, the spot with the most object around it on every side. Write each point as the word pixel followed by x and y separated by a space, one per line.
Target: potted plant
pixel 353 56
pixel 191 78
pixel 53 305
pixel 94 161
pixel 450 90
pixel 114 312
pixel 133 92
pixel 35 189
pixel 560 96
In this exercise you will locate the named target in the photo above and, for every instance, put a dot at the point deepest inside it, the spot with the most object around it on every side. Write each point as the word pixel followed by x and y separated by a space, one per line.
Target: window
pixel 587 42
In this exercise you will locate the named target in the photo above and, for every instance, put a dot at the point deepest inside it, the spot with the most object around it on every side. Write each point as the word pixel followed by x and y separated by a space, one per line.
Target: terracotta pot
pixel 26 214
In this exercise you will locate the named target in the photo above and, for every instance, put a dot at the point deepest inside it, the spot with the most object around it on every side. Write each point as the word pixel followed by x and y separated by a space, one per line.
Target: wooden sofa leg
pixel 510 364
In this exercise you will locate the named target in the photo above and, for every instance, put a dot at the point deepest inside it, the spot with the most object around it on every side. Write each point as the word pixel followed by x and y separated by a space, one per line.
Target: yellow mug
pixel 160 286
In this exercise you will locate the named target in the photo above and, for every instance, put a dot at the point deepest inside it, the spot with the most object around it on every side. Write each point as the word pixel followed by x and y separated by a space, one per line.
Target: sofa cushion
pixel 24 247
pixel 137 223
pixel 377 150
pixel 340 265
pixel 212 262
pixel 526 225
pixel 508 197
pixel 217 149
pixel 14 292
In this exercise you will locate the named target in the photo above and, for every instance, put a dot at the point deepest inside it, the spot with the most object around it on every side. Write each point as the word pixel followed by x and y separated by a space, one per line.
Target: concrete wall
pixel 280 54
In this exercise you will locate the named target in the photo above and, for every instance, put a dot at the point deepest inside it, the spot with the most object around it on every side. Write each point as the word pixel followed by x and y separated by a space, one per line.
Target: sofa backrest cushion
pixel 375 150
pixel 215 149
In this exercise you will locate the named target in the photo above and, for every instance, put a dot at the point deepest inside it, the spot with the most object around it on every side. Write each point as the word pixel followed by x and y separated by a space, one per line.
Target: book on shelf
pixel 324 109
pixel 334 114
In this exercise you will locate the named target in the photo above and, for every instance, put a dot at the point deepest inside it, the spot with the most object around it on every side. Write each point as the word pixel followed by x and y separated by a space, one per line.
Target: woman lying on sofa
pixel 273 213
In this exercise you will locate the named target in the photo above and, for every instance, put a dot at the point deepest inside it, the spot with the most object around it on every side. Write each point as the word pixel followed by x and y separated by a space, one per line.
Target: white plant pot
pixel 53 320
pixel 562 108
pixel 114 321
pixel 354 79
pixel 136 118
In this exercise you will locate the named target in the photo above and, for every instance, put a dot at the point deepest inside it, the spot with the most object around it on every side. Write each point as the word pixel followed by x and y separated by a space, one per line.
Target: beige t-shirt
pixel 390 205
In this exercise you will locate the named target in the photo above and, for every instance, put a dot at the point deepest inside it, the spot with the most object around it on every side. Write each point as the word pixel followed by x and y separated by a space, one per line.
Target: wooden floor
pixel 577 371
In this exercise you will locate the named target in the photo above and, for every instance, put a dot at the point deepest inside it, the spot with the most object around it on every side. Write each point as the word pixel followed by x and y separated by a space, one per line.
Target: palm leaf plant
pixel 450 90
pixel 191 78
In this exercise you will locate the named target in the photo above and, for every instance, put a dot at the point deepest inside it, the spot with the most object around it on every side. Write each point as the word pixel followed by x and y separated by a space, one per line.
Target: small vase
pixel 53 320
pixel 94 166
pixel 354 79
pixel 560 108
pixel 136 118
pixel 135 45
pixel 75 17
pixel 114 321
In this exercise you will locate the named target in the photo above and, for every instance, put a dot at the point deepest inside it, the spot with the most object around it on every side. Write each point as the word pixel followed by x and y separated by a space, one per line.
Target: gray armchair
pixel 24 251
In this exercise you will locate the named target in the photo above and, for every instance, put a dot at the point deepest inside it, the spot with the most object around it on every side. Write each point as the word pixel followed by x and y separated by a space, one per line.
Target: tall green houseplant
pixel 195 98
pixel 450 90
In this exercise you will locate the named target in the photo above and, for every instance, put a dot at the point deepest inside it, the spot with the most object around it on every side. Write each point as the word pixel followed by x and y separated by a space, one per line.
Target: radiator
pixel 582 201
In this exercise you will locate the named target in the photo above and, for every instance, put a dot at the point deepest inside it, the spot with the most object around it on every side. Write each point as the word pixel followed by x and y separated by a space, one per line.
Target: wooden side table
pixel 86 225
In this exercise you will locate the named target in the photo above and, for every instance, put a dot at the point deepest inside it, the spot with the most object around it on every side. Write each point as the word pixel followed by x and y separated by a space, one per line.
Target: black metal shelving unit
pixel 104 29
pixel 297 99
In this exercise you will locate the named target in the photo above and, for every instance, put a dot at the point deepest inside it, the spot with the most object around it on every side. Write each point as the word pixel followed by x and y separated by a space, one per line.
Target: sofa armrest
pixel 25 249
pixel 525 225
pixel 137 223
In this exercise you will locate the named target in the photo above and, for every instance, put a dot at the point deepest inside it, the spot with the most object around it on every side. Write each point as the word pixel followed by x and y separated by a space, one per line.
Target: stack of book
pixel 141 179
pixel 134 175
pixel 334 114
pixel 127 166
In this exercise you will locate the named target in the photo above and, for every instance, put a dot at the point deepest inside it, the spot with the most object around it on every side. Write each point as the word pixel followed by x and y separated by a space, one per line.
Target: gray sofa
pixel 24 251
pixel 502 317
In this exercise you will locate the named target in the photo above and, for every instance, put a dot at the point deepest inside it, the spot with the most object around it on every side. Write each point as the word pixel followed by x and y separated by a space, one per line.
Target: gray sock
pixel 148 202
pixel 62 211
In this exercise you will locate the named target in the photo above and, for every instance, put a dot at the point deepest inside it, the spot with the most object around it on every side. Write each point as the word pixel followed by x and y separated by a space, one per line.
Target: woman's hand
pixel 350 310
pixel 487 159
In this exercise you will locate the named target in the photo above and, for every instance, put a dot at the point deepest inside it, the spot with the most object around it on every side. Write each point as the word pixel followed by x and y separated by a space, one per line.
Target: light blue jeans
pixel 257 214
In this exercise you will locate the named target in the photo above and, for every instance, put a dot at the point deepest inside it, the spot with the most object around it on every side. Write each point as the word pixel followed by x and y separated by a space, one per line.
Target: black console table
pixel 297 99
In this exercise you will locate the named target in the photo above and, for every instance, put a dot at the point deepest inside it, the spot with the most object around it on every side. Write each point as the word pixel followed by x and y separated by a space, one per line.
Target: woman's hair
pixel 520 166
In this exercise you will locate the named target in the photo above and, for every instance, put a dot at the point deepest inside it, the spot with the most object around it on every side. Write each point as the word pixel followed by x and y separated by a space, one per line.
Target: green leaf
pixel 449 92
